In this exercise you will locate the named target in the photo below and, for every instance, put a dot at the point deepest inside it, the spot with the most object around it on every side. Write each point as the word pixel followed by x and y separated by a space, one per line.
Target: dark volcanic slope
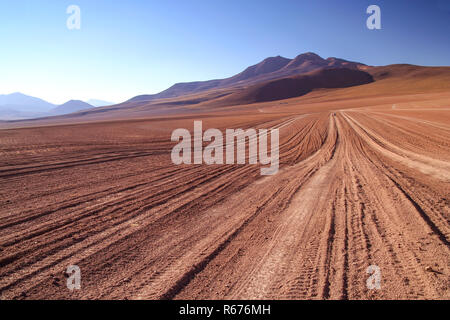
pixel 299 85
pixel 268 69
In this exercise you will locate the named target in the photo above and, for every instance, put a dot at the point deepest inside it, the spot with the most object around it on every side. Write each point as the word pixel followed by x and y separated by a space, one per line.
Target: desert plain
pixel 364 180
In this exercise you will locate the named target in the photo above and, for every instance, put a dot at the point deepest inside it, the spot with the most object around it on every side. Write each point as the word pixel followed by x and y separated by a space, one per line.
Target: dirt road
pixel 356 188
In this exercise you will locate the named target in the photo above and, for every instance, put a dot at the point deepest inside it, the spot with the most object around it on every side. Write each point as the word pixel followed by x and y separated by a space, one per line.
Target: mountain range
pixel 274 78
pixel 268 69
pixel 17 106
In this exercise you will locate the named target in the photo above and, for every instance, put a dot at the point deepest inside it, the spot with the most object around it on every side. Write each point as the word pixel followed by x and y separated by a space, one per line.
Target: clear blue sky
pixel 126 48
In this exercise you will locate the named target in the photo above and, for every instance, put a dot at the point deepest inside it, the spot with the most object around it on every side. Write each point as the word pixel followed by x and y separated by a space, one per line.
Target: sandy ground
pixel 362 182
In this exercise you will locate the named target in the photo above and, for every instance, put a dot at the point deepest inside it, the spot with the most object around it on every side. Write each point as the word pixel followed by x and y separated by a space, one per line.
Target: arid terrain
pixel 364 180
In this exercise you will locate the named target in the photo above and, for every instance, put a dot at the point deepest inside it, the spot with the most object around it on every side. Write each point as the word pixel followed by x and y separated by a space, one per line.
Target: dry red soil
pixel 364 180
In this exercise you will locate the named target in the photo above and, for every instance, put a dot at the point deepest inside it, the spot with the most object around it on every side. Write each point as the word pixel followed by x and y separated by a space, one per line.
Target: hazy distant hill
pixel 17 106
pixel 71 106
pixel 23 103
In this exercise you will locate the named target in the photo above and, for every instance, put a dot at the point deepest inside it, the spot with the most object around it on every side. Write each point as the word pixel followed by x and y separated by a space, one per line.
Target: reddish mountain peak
pixel 309 58
pixel 268 65
pixel 268 69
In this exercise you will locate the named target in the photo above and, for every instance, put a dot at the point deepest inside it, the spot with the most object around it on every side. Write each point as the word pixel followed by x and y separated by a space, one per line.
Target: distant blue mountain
pixel 23 103
pixel 71 106
pixel 17 106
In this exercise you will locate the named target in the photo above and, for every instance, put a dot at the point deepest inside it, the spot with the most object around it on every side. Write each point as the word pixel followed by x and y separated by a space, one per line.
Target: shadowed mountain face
pixel 268 69
pixel 296 86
